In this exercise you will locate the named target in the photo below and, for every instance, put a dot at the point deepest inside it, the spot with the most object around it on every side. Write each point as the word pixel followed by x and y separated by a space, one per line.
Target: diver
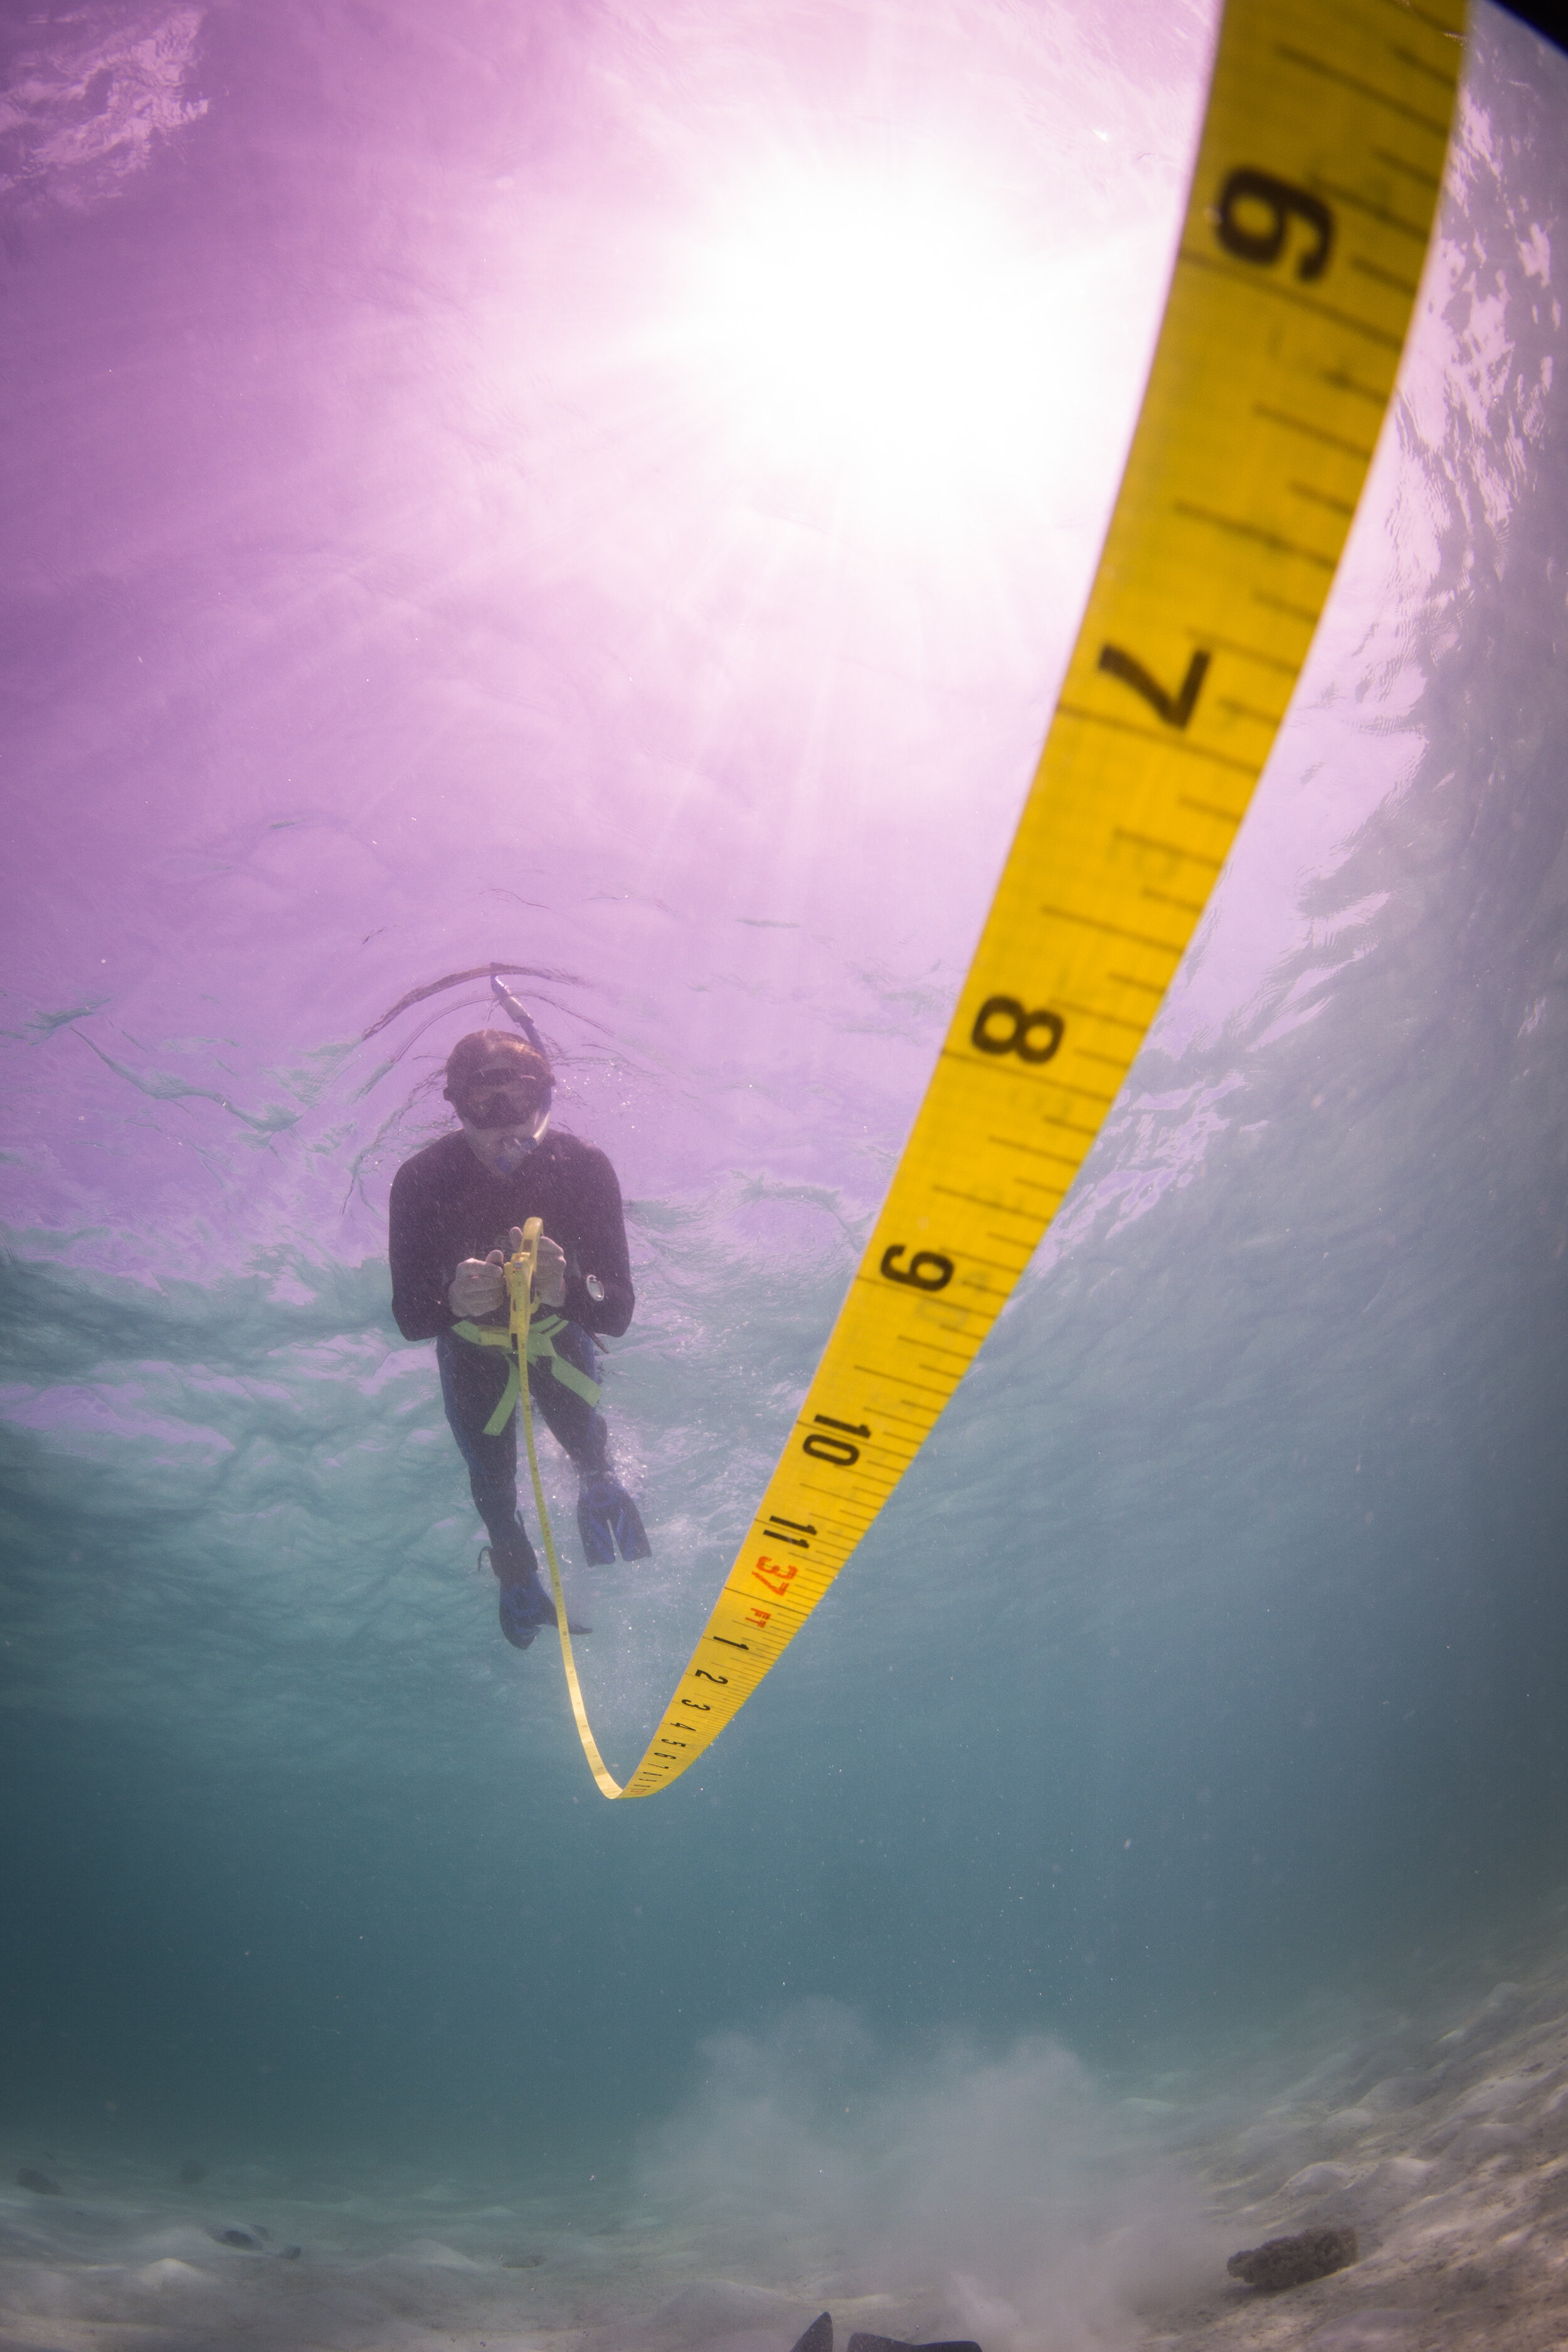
pixel 458 1210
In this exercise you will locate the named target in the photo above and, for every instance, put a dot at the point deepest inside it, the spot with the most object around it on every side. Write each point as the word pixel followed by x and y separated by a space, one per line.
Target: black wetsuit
pixel 447 1207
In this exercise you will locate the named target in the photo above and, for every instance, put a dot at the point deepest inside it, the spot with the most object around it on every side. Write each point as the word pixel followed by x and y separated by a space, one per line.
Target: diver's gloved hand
pixel 479 1286
pixel 549 1269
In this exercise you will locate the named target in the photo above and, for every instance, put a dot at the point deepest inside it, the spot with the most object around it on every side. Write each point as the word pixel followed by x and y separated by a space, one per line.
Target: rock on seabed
pixel 1281 2263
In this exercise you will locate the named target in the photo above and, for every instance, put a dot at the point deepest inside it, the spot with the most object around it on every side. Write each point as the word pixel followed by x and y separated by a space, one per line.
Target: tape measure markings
pixel 1366 89
pixel 1233 508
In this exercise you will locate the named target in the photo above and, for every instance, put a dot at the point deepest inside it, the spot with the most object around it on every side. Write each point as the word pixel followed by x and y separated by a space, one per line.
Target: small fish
pixel 859 2343
pixel 238 2238
pixel 29 2177
pixel 818 2338
pixel 190 2172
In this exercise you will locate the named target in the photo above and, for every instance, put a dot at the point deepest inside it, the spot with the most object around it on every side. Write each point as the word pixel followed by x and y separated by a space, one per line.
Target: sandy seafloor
pixel 1441 2135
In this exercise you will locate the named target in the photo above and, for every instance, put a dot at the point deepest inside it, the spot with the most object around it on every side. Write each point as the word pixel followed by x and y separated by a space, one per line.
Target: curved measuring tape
pixel 1306 229
pixel 520 1271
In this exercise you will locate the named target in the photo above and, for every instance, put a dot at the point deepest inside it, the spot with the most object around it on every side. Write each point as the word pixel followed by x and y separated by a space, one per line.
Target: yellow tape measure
pixel 1306 230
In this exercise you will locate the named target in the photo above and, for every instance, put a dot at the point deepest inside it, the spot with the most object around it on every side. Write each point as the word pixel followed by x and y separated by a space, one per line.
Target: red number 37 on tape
pixel 777 1575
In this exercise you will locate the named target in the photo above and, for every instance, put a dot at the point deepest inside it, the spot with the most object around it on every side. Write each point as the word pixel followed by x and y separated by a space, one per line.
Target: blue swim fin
pixel 608 1520
pixel 524 1608
pixel 525 1605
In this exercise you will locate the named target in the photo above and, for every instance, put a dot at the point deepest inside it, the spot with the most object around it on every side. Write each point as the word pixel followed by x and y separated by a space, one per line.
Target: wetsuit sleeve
pixel 419 1277
pixel 601 1251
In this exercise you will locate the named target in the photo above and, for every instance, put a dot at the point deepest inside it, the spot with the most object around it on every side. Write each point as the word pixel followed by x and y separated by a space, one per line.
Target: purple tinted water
pixel 421 554
pixel 408 569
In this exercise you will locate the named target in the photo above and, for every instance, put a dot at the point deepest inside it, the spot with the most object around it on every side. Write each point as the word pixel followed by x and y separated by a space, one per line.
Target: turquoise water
pixel 401 583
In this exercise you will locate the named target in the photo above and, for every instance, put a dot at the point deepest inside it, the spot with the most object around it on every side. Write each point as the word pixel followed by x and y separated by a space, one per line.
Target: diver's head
pixel 500 1089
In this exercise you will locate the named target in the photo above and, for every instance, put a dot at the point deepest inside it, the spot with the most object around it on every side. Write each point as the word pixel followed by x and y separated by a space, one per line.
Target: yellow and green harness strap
pixel 1301 251
pixel 539 1343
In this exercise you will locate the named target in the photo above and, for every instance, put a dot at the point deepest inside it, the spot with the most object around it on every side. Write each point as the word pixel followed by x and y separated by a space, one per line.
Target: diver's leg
pixel 607 1515
pixel 571 1421
pixel 472 1381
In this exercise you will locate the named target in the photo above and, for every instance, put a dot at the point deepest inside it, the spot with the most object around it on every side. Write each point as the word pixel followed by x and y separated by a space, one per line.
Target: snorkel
pixel 516 1015
pixel 511 1153
pixel 501 1089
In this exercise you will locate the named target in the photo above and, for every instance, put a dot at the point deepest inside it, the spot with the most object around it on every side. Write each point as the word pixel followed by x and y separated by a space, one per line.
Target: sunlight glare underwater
pixel 887 329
